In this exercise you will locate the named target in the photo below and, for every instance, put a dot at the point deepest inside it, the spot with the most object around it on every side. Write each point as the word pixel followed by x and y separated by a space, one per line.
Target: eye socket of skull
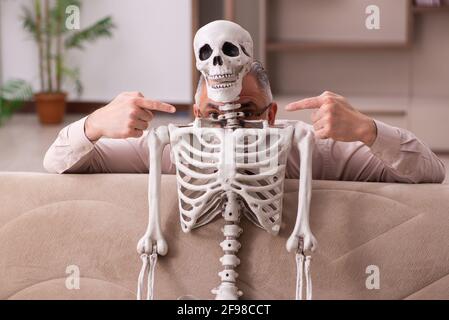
pixel 244 51
pixel 205 52
pixel 230 50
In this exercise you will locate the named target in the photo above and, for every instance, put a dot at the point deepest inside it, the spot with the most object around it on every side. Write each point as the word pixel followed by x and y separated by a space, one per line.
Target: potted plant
pixel 45 21
pixel 12 96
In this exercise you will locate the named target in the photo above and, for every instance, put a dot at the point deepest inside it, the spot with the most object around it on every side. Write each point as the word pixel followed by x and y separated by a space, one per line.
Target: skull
pixel 224 53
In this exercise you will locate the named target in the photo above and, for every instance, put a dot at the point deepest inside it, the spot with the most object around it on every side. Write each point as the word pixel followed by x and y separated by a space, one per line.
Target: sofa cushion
pixel 49 222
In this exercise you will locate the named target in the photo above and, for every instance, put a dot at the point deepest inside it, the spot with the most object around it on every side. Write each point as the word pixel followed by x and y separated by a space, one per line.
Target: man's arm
pixel 111 139
pixel 73 152
pixel 395 156
pixel 351 146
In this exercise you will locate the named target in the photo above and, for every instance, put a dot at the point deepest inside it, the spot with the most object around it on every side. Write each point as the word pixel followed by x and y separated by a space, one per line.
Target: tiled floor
pixel 23 141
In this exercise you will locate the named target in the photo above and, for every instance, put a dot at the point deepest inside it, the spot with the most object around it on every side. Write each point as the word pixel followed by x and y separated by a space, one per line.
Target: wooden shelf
pixel 391 110
pixel 387 105
pixel 283 45
pixel 419 10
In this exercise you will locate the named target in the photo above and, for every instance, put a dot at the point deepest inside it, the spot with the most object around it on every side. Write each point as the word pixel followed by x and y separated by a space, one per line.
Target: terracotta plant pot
pixel 50 107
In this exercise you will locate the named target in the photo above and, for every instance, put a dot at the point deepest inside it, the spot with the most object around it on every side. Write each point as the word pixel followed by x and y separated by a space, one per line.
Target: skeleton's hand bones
pixel 335 118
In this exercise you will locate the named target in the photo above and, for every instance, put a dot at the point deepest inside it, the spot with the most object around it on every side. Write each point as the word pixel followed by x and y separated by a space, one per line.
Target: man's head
pixel 255 98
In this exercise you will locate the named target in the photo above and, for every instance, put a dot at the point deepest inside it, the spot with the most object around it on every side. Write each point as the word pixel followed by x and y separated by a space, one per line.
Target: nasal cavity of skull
pixel 217 60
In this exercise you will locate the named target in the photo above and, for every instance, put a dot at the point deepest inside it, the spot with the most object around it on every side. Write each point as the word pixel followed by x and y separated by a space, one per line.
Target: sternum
pixel 227 171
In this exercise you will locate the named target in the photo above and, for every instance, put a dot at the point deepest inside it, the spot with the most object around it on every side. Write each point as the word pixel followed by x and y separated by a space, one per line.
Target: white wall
pixel 150 51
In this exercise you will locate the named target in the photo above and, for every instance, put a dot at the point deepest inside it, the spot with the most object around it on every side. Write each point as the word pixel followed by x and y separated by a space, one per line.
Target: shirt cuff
pixel 387 145
pixel 79 143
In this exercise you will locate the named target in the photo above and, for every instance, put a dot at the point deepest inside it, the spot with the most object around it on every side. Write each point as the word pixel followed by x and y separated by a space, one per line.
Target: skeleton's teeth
pixel 220 76
pixel 222 86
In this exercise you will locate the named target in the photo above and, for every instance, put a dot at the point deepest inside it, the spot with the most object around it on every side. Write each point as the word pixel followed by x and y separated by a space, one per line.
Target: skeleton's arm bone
pixel 157 140
pixel 303 138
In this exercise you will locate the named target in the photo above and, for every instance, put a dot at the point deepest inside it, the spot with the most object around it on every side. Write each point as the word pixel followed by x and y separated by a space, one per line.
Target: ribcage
pixel 196 153
pixel 211 161
pixel 261 156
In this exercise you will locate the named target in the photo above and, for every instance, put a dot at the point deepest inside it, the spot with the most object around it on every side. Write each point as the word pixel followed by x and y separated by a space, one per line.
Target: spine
pixel 228 290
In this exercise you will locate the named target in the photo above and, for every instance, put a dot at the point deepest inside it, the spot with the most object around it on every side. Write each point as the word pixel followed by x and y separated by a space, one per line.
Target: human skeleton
pixel 228 165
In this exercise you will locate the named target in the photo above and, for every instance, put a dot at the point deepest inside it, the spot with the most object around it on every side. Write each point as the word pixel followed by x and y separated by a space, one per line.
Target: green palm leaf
pixel 59 9
pixel 102 28
pixel 29 22
pixel 12 96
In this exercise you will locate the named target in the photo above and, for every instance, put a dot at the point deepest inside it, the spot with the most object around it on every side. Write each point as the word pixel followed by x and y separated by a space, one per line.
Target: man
pixel 348 144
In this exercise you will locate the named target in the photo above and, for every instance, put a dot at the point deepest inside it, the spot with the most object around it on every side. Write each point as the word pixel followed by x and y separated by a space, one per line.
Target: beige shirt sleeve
pixel 396 156
pixel 73 152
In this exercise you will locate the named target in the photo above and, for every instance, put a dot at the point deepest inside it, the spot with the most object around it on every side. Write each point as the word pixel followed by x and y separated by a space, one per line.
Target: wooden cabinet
pixel 391 110
pixel 309 46
pixel 428 119
pixel 398 74
pixel 296 24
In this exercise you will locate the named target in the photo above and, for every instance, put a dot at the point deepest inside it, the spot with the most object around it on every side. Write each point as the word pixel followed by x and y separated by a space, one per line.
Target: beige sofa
pixel 49 222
